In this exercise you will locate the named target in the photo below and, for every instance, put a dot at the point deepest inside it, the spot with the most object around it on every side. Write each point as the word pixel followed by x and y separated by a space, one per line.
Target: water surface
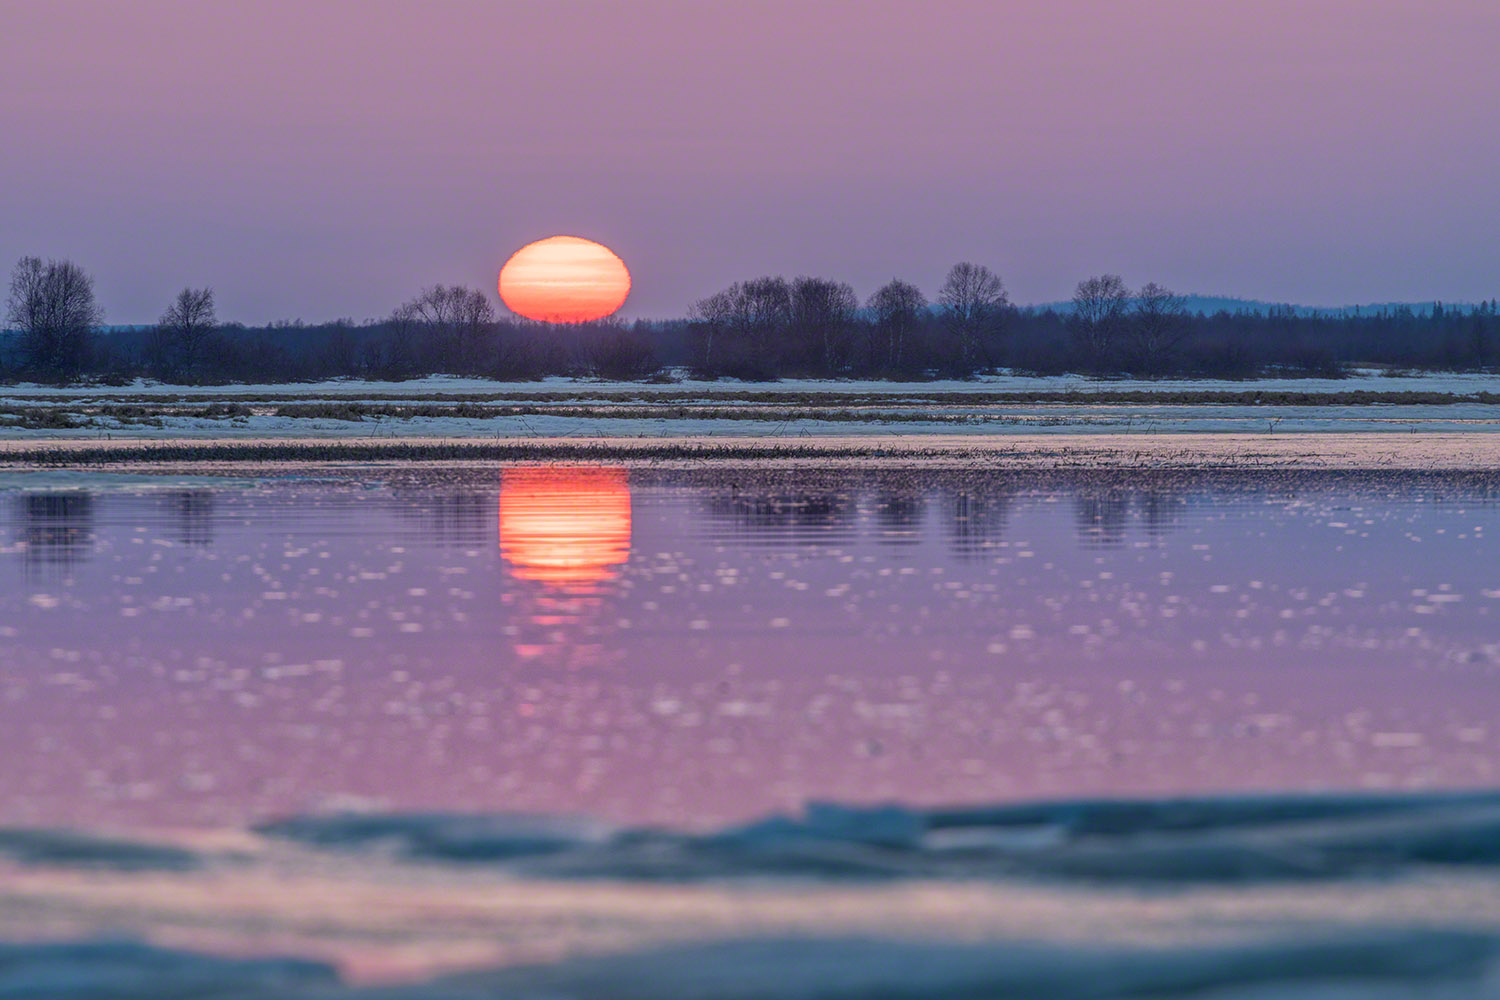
pixel 695 648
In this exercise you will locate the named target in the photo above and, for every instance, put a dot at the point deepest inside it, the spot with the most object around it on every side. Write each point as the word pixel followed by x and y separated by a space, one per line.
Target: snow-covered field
pixel 562 408
pixel 1035 419
pixel 1008 420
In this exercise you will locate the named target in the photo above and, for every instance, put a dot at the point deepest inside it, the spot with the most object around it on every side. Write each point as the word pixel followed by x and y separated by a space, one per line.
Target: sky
pixel 329 159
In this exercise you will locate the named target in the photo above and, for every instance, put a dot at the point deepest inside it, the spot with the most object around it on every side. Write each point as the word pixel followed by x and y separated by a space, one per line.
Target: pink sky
pixel 328 159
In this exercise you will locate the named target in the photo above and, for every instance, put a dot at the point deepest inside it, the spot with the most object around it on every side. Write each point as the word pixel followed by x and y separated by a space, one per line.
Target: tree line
pixel 762 328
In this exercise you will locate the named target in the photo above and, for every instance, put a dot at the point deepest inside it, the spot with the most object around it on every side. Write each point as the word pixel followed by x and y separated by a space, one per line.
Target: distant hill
pixel 1210 304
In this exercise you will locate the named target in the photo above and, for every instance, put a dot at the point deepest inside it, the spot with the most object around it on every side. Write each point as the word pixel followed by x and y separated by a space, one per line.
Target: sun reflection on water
pixel 565 531
pixel 565 526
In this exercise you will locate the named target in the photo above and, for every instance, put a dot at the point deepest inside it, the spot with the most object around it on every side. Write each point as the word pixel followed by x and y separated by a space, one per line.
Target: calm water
pixel 693 649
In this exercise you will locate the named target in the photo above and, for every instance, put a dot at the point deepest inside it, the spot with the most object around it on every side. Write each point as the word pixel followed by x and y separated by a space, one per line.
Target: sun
pixel 564 279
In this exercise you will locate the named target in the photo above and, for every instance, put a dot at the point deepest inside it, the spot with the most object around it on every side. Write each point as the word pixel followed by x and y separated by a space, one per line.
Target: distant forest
pixel 764 328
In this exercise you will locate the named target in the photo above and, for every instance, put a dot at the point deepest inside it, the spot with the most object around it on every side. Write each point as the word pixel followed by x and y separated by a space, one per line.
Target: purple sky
pixel 328 159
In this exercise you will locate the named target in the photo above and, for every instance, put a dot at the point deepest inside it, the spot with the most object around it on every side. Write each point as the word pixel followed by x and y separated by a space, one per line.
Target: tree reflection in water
pixel 56 530
pixel 898 516
pixel 780 514
pixel 978 520
pixel 1101 517
pixel 191 515
pixel 450 518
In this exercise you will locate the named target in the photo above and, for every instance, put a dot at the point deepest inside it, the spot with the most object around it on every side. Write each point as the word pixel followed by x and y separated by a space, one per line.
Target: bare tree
pixel 52 305
pixel 898 309
pixel 1100 305
pixel 764 309
pixel 615 351
pixel 404 346
pixel 741 328
pixel 181 339
pixel 455 322
pixel 823 314
pixel 451 306
pixel 710 320
pixel 338 356
pixel 1157 327
pixel 974 302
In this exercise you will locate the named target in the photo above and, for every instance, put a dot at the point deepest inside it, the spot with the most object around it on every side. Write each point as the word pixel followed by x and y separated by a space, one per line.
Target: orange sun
pixel 564 279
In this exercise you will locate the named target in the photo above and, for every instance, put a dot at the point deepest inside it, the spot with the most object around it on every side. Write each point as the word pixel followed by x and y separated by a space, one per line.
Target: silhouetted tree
pixel 1100 305
pixel 184 333
pixel 454 323
pixel 1156 328
pixel 338 355
pixel 740 331
pixel 764 328
pixel 974 302
pixel 399 357
pixel 615 352
pixel 897 308
pixel 709 320
pixel 823 315
pixel 52 305
pixel 764 311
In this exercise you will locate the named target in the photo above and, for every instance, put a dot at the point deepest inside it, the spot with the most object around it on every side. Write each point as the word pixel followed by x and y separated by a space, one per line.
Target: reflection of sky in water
pixel 693 653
